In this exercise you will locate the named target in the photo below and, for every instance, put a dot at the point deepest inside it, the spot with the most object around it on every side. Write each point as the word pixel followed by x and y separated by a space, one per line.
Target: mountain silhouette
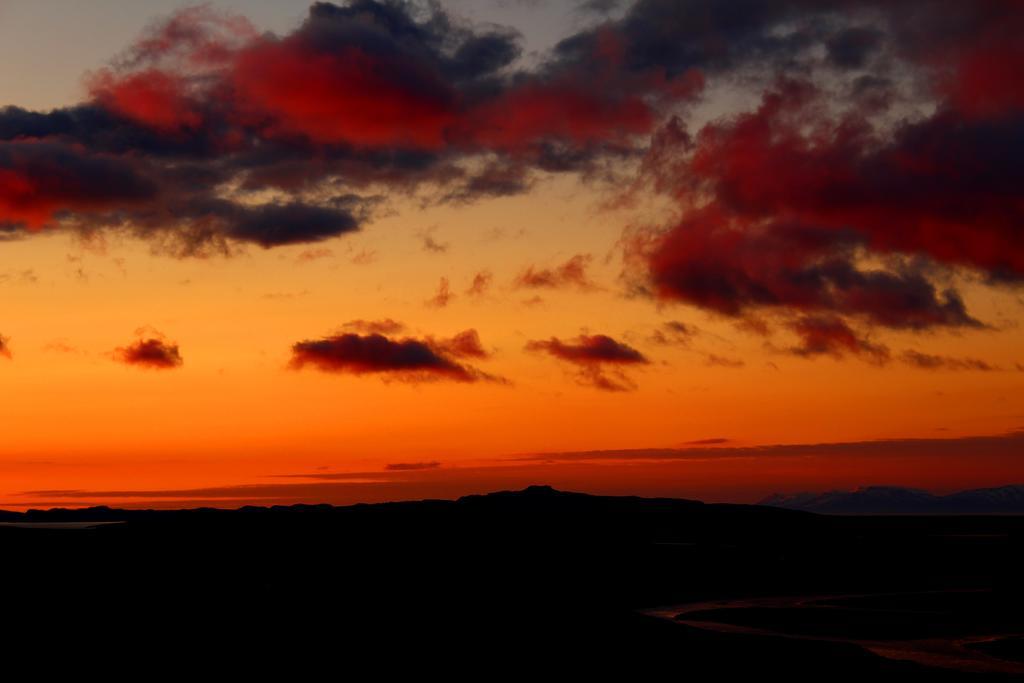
pixel 891 500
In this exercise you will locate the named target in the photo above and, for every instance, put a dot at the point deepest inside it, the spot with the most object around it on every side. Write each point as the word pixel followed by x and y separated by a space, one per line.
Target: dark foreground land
pixel 533 584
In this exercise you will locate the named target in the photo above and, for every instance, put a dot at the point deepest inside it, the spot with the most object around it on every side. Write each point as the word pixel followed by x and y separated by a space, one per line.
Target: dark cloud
pixel 1001 445
pixel 374 353
pixel 851 47
pixel 5 347
pixel 276 224
pixel 595 356
pixel 408 359
pixel 598 6
pixel 832 336
pixel 681 36
pixel 151 352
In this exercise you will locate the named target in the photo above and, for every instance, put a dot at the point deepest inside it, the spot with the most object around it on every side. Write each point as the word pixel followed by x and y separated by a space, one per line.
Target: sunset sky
pixel 262 252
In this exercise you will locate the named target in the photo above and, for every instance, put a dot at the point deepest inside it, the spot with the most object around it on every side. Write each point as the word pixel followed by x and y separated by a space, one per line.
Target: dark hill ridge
pixel 514 581
pixel 532 500
pixel 890 500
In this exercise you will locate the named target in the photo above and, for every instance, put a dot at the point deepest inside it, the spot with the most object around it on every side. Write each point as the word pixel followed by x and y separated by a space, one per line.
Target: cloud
pixel 878 167
pixel 674 332
pixel 712 262
pixel 465 344
pixel 272 225
pixel 836 196
pixel 927 361
pixel 444 295
pixel 190 127
pixel 25 276
pixel 832 336
pixel 533 301
pixel 40 180
pixel 5 347
pixel 595 356
pixel 432 245
pixel 61 346
pixel 284 296
pixel 1001 445
pixel 411 466
pixel 481 283
pixel 364 257
pixel 308 255
pixel 714 360
pixel 407 359
pixel 383 326
pixel 850 48
pixel 858 198
pixel 152 352
pixel 571 273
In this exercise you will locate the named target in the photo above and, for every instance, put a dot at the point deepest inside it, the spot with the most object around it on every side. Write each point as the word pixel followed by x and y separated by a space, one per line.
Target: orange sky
pixel 236 411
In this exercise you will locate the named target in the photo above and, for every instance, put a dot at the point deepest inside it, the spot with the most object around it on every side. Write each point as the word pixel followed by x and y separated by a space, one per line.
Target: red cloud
pixel 567 110
pixel 349 96
pixel 978 72
pixel 41 179
pixel 150 353
pixel 722 264
pixel 152 97
pixel 782 206
pixel 354 76
pixel 794 199
pixel 593 354
pixel 173 73
pixel 5 348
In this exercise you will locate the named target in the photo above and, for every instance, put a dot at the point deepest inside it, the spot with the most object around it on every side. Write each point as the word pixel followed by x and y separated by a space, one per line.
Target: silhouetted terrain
pixel 892 500
pixel 515 583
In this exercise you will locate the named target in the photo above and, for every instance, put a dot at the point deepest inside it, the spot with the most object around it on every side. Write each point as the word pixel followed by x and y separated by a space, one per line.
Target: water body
pixel 59 525
pixel 799 616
